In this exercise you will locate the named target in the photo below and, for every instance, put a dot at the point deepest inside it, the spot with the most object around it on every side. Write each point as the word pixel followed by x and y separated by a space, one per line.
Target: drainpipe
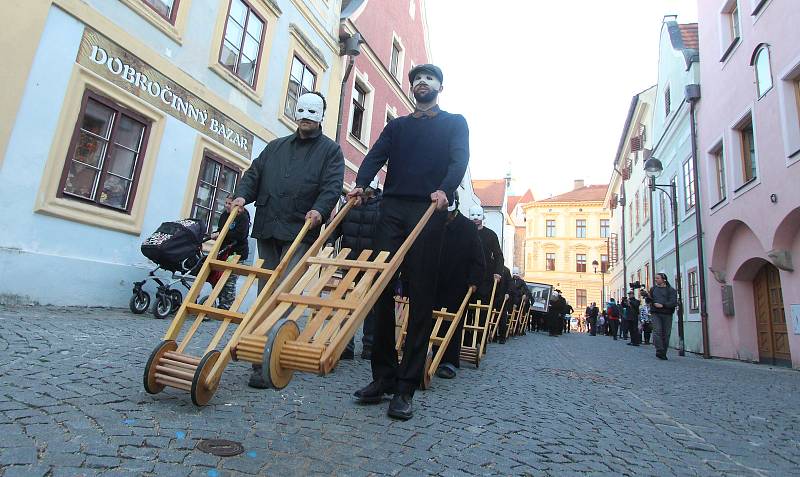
pixel 693 95
pixel 351 48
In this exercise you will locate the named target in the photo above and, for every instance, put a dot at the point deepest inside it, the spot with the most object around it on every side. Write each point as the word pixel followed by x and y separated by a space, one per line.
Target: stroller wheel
pixel 162 306
pixel 177 298
pixel 140 302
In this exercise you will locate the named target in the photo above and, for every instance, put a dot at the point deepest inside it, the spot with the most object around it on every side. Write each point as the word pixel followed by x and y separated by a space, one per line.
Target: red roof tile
pixel 590 193
pixel 689 35
pixel 513 200
pixel 490 191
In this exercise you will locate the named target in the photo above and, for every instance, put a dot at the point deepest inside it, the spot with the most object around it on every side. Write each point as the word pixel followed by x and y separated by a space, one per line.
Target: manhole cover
pixel 220 447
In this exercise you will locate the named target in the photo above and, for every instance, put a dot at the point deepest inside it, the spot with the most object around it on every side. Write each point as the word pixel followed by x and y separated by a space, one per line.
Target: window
pixel 551 262
pixel 580 299
pixel 604 226
pixel 636 208
pixel 667 102
pixel 630 223
pixel 165 8
pixel 749 157
pixel 103 162
pixel 694 300
pixel 394 65
pixel 217 180
pixel 580 228
pixel 241 45
pixel 733 22
pixel 647 275
pixel 719 166
pixel 301 80
pixel 357 120
pixel 763 70
pixel 664 211
pixel 551 228
pixel 603 263
pixel 580 263
pixel 688 185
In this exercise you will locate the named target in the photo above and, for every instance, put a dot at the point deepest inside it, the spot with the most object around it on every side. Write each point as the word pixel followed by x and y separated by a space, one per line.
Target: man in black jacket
pixel 663 299
pixel 492 254
pixel 295 178
pixel 460 267
pixel 357 231
pixel 427 154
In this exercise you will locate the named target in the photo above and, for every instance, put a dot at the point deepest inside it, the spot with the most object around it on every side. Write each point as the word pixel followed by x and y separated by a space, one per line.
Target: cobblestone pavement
pixel 72 403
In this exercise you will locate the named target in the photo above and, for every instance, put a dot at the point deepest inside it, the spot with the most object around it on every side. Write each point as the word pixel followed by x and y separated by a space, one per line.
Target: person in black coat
pixel 461 267
pixel 504 289
pixel 236 244
pixel 357 232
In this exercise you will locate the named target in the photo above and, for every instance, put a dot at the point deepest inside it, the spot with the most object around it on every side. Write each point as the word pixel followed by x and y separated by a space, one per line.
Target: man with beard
pixel 295 178
pixel 460 267
pixel 427 154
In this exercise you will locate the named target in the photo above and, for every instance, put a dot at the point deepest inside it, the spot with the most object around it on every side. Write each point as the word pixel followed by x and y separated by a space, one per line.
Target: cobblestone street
pixel 72 403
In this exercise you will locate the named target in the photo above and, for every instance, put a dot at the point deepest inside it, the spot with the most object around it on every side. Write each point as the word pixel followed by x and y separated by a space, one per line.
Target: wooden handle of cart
pixel 330 354
pixel 295 273
pixel 202 276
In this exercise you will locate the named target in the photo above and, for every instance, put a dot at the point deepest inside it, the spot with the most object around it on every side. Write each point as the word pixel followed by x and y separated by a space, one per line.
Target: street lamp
pixel 653 168
pixel 603 281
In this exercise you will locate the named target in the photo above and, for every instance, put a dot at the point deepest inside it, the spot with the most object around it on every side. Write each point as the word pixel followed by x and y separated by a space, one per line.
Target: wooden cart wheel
pixel 274 375
pixel 150 384
pixel 201 393
pixel 426 374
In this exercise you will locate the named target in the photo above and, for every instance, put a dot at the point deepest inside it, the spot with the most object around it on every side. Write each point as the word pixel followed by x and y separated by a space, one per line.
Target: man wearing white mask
pixel 296 177
pixel 426 154
pixel 492 257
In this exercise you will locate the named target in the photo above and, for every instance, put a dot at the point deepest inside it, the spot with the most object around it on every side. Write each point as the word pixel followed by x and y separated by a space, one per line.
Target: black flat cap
pixel 437 72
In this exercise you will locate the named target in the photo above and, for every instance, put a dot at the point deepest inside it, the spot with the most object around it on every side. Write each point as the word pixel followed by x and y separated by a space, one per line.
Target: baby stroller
pixel 175 247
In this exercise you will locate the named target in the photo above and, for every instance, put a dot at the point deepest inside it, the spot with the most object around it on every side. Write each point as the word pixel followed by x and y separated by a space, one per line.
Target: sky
pixel 545 86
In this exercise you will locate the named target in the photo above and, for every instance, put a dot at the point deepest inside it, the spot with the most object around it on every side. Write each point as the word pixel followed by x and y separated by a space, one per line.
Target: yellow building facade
pixel 563 236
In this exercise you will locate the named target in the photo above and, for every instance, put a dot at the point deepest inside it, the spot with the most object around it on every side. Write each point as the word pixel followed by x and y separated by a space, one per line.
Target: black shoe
pixel 400 407
pixel 373 392
pixel 366 353
pixel 445 372
pixel 661 356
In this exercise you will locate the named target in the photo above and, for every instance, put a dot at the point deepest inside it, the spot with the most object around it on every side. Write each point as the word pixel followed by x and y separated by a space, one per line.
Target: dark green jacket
pixel 290 177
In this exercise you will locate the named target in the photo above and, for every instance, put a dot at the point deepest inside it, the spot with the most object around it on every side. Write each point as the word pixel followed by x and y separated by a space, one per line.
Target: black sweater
pixel 424 155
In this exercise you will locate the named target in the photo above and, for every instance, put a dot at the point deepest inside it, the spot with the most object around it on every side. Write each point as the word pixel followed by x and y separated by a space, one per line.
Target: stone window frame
pixel 254 12
pixel 90 94
pixel 211 156
pixel 47 200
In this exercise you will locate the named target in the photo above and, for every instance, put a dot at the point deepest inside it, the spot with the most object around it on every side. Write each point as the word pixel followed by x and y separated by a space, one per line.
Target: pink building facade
pixel 748 154
pixel 395 35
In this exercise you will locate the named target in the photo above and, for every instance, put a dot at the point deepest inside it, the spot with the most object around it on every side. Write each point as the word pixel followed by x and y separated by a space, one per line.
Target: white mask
pixel 476 213
pixel 309 106
pixel 428 78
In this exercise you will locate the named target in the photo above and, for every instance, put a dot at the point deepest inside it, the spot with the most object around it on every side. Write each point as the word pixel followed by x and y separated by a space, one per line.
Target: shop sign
pixel 112 62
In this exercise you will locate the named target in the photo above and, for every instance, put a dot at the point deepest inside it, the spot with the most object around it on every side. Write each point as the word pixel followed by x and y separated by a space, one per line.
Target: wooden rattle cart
pixel 170 364
pixel 331 312
pixel 475 331
pixel 494 321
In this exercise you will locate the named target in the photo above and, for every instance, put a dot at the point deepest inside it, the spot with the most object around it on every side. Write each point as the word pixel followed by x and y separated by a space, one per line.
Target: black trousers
pixel 633 331
pixel 614 327
pixel 452 354
pixel 419 269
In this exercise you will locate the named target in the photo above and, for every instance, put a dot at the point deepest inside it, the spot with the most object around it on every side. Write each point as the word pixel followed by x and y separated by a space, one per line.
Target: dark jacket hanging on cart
pixel 357 230
pixel 460 266
pixel 237 235
pixel 493 257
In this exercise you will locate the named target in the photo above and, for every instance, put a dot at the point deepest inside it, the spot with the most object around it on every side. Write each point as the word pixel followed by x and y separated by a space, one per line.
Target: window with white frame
pixel 357 122
pixel 693 288
pixel 394 63
pixel 763 70
pixel 645 203
pixel 580 228
pixel 242 42
pixel 580 263
pixel 749 159
pixel 718 159
pixel 636 208
pixel 550 228
pixel 216 182
pixel 604 228
pixel 301 81
pixel 688 185
pixel 731 28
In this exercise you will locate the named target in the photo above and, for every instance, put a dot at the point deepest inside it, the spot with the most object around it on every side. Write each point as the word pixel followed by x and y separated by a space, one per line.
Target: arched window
pixel 760 61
